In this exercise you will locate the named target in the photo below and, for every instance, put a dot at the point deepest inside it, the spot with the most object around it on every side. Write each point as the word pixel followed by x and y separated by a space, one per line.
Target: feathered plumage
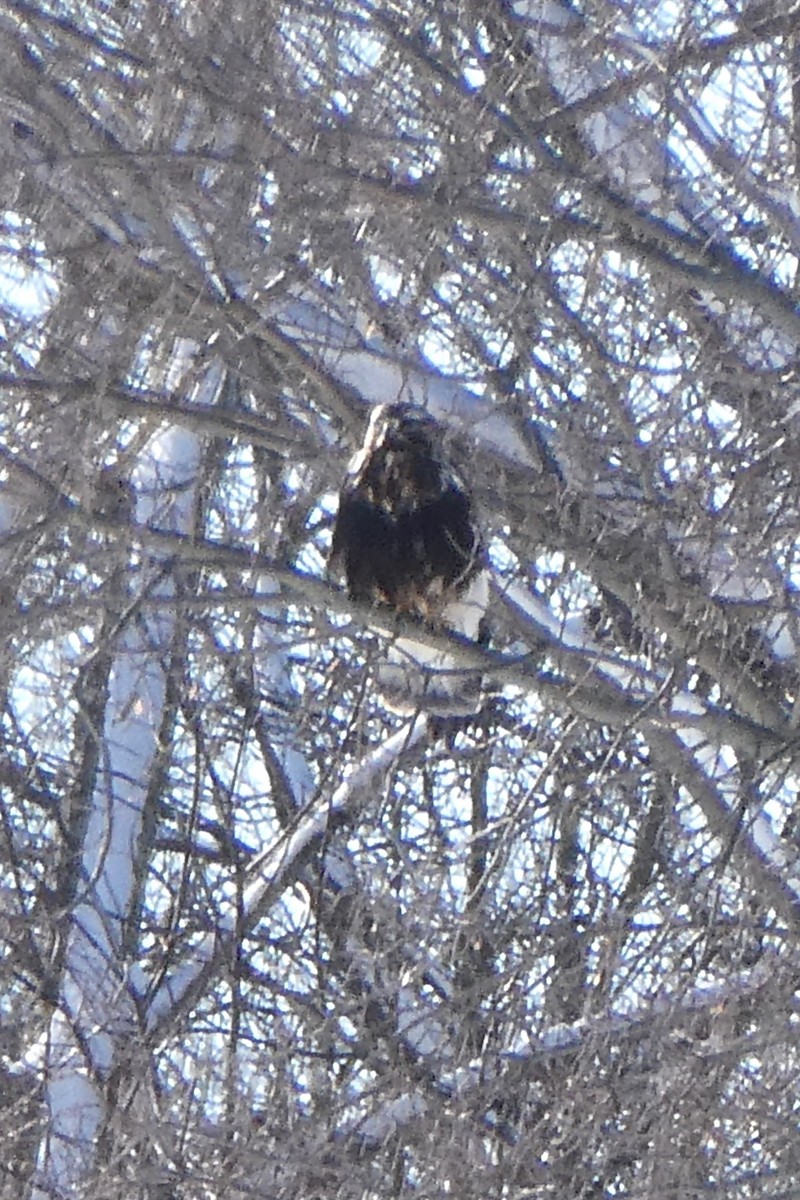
pixel 405 536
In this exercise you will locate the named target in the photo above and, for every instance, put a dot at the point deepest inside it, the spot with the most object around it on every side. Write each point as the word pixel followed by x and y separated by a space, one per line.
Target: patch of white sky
pixel 41 709
pixel 232 516
pixel 661 374
pixel 28 287
pixel 745 107
pixel 567 590
pixel 660 22
pixel 605 852
pixel 204 1041
pixel 328 51
pixel 97 18
pixel 267 198
pixel 29 283
pixel 437 344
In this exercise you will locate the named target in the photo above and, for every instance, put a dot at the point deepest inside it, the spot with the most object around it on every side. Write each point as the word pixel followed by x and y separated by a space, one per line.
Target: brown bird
pixel 405 536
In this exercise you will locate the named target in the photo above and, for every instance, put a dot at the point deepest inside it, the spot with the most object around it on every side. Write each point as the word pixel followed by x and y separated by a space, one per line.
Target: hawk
pixel 405 536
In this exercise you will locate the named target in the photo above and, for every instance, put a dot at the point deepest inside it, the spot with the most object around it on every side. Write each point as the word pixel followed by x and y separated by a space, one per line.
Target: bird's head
pixel 398 424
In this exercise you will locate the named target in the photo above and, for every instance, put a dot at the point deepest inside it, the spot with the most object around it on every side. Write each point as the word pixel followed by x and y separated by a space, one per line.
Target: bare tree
pixel 260 937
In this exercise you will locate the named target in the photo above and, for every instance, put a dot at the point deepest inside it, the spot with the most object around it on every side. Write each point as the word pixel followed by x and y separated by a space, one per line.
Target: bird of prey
pixel 406 537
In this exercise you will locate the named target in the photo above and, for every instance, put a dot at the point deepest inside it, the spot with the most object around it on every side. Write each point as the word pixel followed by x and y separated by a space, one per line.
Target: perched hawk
pixel 405 536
